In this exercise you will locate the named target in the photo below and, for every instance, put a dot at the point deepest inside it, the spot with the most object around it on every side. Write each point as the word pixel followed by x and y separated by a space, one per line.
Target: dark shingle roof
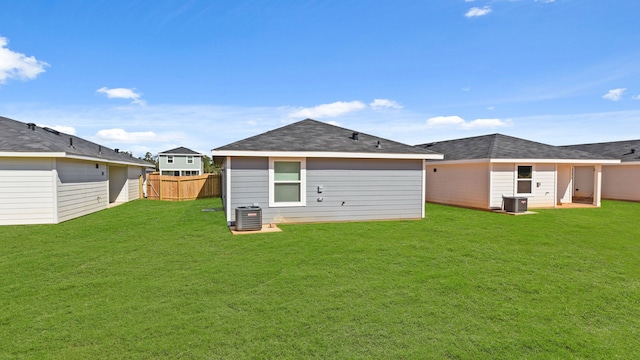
pixel 16 136
pixel 498 146
pixel 180 151
pixel 626 151
pixel 315 136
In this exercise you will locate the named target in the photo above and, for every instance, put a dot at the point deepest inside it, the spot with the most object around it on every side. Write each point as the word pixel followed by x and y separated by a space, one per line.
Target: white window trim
pixel 303 183
pixel 169 159
pixel 533 175
pixel 189 159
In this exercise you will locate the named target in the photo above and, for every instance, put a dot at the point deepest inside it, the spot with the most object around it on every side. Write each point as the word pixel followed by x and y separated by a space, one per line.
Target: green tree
pixel 209 166
pixel 148 157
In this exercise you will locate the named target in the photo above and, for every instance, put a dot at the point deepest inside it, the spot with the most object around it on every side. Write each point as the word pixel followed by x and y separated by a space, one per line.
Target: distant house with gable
pixel 478 172
pixel 311 171
pixel 180 161
pixel 47 176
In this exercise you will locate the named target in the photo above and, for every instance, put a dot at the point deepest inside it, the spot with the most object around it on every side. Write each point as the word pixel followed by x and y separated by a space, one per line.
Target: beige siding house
pixel 478 172
pixel 47 177
pixel 619 181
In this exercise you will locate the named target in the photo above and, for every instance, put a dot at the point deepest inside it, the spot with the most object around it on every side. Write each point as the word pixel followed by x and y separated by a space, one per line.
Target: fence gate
pixel 178 188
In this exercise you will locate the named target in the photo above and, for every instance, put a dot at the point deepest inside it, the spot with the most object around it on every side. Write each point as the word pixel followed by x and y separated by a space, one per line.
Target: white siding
pixel 133 182
pixel 502 183
pixel 26 191
pixel 462 185
pixel 117 184
pixel 544 193
pixel 621 182
pixel 82 188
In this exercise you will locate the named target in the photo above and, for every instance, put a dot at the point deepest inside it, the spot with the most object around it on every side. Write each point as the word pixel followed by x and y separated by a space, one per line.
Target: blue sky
pixel 153 75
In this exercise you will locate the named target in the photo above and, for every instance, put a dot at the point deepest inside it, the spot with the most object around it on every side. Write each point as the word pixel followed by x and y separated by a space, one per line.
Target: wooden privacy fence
pixel 178 188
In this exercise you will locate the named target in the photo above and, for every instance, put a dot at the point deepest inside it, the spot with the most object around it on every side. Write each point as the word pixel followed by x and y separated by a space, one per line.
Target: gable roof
pixel 626 151
pixel 498 146
pixel 318 139
pixel 180 151
pixel 28 140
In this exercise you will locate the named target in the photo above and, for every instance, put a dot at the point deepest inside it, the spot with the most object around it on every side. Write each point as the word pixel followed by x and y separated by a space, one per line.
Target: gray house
pixel 478 171
pixel 619 181
pixel 47 177
pixel 311 171
pixel 180 162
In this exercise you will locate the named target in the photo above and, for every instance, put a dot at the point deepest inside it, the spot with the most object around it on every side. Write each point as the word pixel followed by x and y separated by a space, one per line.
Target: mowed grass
pixel 153 279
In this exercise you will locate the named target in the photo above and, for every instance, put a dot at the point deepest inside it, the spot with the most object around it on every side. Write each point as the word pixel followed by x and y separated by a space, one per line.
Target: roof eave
pixel 44 154
pixel 531 161
pixel 325 154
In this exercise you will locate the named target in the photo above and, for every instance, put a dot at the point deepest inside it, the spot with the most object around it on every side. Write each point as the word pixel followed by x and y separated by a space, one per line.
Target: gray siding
pixel 27 194
pixel 180 163
pixel 82 188
pixel 353 189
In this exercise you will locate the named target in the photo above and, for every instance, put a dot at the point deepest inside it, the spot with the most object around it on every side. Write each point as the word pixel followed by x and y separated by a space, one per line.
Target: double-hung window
pixel 189 159
pixel 524 180
pixel 287 182
pixel 170 159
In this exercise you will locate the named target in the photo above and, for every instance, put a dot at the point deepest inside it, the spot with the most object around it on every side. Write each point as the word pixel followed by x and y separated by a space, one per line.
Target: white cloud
pixel 381 104
pixel 614 94
pixel 456 121
pixel 445 120
pixel 328 110
pixel 491 108
pixel 123 93
pixel 485 123
pixel 15 65
pixel 123 136
pixel 546 1
pixel 637 97
pixel 476 11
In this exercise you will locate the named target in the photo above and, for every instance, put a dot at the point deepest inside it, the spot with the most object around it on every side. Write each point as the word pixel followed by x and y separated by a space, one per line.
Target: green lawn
pixel 152 279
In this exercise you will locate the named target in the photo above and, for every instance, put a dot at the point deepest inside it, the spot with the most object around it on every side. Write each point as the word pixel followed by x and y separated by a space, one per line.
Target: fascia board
pixel 324 154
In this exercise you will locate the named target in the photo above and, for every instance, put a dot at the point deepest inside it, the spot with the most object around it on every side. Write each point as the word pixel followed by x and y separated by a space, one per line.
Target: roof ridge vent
pixel 53 131
pixel 31 126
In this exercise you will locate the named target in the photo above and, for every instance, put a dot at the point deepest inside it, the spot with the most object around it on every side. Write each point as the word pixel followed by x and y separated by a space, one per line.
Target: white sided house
pixel 310 171
pixel 477 172
pixel 619 181
pixel 180 162
pixel 47 177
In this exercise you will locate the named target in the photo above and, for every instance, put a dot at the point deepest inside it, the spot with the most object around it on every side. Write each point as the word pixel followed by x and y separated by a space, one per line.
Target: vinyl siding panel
pixel 461 185
pixel 502 183
pixel 353 189
pixel 82 188
pixel 26 191
pixel 621 182
pixel 249 184
pixel 543 195
pixel 133 182
pixel 180 163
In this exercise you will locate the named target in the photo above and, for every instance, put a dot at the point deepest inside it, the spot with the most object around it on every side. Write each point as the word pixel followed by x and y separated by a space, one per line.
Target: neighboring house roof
pixel 29 140
pixel 626 151
pixel 180 151
pixel 498 146
pixel 315 139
